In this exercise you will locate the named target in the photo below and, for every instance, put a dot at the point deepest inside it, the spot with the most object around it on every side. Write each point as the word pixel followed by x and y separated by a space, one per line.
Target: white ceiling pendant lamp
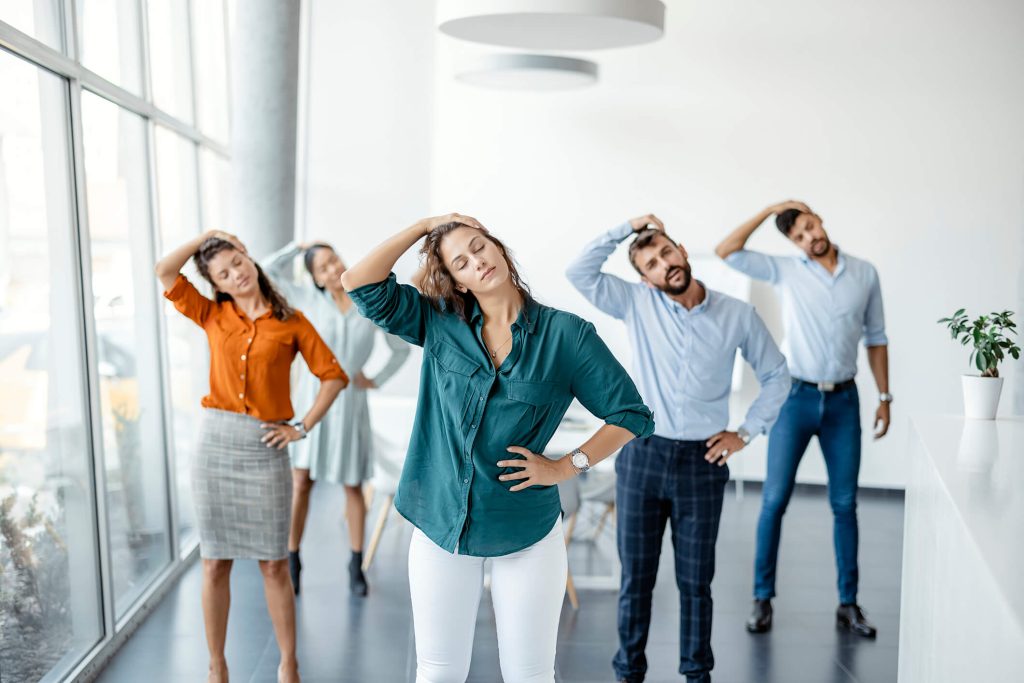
pixel 553 24
pixel 527 72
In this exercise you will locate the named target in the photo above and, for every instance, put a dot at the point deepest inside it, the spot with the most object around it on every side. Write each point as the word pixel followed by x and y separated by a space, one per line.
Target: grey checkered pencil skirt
pixel 242 490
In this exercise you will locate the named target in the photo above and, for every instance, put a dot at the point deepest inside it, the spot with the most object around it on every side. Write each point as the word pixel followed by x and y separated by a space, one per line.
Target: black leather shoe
pixel 760 619
pixel 294 568
pixel 356 578
pixel 851 618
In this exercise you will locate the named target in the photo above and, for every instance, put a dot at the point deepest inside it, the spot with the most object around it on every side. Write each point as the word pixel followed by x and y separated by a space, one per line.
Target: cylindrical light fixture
pixel 527 72
pixel 553 24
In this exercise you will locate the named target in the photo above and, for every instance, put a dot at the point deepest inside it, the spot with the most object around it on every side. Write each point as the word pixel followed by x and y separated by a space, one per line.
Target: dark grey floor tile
pixel 343 639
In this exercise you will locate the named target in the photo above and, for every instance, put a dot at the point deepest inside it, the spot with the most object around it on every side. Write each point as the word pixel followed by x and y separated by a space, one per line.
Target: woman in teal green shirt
pixel 499 371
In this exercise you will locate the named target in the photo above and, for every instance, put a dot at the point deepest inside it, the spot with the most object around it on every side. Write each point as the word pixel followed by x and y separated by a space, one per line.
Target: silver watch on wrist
pixel 744 435
pixel 300 426
pixel 885 397
pixel 580 461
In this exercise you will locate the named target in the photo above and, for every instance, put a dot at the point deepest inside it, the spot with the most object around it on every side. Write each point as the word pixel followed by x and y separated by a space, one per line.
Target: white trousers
pixel 527 589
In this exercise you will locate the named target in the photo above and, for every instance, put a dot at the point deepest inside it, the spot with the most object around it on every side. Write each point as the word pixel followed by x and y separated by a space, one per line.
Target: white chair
pixel 389 458
pixel 569 495
pixel 391 415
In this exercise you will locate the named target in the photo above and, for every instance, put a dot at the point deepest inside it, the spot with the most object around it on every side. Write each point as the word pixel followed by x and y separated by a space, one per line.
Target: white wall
pixel 365 131
pixel 902 124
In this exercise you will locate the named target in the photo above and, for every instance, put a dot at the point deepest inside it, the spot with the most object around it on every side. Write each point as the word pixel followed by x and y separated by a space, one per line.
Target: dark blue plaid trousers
pixel 660 480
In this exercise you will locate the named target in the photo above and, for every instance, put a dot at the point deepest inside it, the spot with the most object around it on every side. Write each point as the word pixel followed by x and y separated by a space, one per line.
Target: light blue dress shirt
pixel 825 315
pixel 683 359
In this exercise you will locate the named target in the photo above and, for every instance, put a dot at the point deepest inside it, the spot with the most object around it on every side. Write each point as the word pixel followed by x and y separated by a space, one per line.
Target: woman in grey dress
pixel 342 450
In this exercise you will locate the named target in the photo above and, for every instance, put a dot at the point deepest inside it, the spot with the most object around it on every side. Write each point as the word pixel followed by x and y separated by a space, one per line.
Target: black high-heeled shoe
pixel 294 569
pixel 356 579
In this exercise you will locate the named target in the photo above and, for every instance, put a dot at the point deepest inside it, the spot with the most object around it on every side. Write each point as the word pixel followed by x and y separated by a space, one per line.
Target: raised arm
pixel 279 268
pixel 169 267
pixel 737 239
pixel 607 292
pixel 377 265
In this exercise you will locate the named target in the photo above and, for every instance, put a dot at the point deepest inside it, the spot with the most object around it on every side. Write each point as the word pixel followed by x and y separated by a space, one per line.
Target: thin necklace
pixel 494 353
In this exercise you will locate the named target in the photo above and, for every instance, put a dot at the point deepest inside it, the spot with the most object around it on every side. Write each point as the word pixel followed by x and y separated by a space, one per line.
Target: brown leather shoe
pixel 760 619
pixel 851 618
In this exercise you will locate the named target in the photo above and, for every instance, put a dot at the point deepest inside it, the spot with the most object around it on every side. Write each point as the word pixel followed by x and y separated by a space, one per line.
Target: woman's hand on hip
pixel 279 435
pixel 536 470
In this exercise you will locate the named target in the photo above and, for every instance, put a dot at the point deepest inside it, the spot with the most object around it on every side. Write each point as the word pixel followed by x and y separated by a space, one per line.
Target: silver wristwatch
pixel 301 427
pixel 885 397
pixel 580 461
pixel 744 435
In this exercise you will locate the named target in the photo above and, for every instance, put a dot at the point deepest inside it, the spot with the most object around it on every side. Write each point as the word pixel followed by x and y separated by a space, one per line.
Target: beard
pixel 820 247
pixel 674 290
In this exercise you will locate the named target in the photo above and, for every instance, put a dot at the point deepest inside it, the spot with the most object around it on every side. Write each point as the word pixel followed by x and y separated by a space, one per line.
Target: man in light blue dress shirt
pixel 830 301
pixel 684 338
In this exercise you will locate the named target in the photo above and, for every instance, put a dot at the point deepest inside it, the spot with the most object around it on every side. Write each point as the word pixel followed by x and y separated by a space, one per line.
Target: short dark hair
pixel 643 239
pixel 785 220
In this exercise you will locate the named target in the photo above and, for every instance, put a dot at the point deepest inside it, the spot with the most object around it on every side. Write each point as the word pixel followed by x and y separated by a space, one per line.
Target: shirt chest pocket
pixel 454 376
pixel 273 346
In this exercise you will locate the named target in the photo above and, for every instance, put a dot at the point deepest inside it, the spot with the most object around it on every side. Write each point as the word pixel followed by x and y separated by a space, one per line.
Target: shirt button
pixel 249 340
pixel 243 356
pixel 472 426
pixel 465 481
pixel 241 396
pixel 241 377
pixel 481 398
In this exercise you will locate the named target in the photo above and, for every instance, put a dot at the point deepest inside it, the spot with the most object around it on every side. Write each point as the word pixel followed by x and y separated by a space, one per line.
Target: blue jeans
pixel 834 417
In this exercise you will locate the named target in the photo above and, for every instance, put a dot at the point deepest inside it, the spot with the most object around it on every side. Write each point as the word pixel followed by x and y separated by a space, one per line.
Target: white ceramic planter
pixel 981 396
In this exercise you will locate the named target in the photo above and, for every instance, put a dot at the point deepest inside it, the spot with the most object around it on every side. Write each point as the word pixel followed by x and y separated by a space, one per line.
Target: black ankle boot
pixel 294 568
pixel 851 617
pixel 356 578
pixel 760 619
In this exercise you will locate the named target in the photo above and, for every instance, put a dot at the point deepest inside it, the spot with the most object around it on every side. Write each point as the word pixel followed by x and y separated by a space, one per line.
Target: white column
pixel 265 82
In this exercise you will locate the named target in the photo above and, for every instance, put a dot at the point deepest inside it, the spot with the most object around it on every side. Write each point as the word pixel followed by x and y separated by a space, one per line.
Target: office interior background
pixel 129 126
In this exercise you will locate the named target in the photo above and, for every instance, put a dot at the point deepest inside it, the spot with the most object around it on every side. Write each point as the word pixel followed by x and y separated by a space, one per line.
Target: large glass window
pixel 108 35
pixel 124 306
pixel 214 175
pixel 188 359
pixel 40 19
pixel 50 612
pixel 170 58
pixel 209 43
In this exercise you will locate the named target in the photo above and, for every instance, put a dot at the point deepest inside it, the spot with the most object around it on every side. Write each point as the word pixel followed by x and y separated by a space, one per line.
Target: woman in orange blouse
pixel 241 481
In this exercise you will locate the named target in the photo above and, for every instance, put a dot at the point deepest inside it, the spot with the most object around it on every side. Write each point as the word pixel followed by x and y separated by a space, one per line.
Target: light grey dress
pixel 340 447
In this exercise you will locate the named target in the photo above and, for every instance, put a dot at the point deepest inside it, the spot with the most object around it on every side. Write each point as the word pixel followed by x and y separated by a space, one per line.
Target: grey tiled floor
pixel 349 639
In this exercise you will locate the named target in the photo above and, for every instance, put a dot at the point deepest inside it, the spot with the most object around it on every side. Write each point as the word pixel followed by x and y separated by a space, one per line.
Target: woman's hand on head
pixel 228 237
pixel 428 224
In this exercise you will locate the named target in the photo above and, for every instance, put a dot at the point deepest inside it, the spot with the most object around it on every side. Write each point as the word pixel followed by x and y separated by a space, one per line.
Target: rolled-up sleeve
pixel 317 354
pixel 604 387
pixel 874 315
pixel 189 302
pixel 397 309
pixel 755 264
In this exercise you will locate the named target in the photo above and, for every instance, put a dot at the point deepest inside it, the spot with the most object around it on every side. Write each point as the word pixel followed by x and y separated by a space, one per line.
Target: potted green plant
pixel 989 336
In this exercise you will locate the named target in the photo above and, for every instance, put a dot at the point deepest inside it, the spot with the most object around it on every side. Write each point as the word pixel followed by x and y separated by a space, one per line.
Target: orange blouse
pixel 250 360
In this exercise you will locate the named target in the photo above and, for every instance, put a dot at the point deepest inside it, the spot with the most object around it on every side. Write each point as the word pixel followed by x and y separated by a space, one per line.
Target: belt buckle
pixel 826 386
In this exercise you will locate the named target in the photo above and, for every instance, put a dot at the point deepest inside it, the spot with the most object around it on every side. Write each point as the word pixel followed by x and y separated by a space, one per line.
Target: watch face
pixel 580 460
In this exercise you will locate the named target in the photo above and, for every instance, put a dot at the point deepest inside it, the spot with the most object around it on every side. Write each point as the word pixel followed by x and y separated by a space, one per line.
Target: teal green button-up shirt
pixel 468 413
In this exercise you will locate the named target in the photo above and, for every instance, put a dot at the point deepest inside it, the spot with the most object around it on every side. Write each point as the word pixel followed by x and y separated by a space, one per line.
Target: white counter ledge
pixel 962 612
